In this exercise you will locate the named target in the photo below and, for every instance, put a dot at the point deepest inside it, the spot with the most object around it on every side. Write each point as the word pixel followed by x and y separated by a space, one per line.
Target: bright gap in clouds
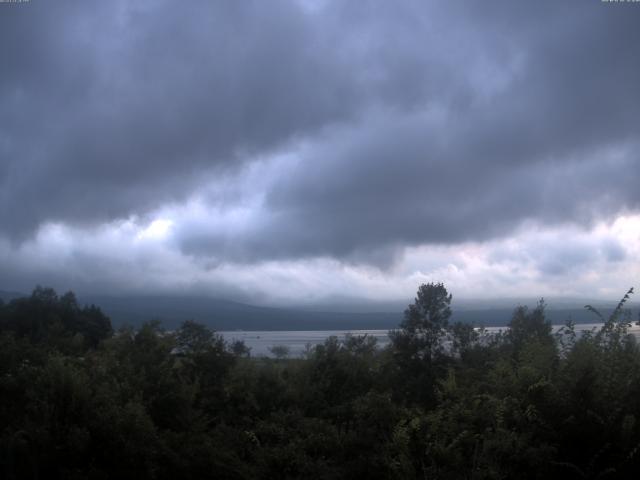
pixel 564 261
pixel 156 230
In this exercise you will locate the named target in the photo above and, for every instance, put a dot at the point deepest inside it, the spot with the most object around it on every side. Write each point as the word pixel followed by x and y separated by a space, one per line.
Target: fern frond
pixel 620 305
pixel 595 311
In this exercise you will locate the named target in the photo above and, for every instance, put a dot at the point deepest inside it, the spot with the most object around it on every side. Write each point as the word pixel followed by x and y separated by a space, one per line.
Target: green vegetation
pixel 441 401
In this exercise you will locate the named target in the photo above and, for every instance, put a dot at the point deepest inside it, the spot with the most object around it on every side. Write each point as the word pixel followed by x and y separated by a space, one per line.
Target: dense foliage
pixel 442 401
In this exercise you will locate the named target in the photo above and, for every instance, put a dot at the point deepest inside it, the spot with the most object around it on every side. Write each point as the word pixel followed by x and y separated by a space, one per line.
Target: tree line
pixel 80 400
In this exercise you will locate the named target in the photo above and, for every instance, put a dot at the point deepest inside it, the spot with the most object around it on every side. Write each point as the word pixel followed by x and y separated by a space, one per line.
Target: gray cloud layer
pixel 408 123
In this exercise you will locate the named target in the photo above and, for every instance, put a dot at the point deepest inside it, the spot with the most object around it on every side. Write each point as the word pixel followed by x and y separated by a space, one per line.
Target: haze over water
pixel 261 341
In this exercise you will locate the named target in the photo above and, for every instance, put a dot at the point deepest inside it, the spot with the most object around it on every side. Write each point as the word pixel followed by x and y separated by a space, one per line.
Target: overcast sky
pixel 286 152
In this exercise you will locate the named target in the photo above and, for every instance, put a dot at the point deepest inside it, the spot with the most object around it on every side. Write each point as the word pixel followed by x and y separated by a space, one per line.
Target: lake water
pixel 261 341
pixel 296 341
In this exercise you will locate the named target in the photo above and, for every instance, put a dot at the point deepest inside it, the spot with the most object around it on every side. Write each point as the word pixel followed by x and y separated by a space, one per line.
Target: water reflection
pixel 296 341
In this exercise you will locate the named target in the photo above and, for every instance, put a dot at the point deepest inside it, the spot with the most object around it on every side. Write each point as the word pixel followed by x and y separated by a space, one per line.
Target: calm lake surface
pixel 297 341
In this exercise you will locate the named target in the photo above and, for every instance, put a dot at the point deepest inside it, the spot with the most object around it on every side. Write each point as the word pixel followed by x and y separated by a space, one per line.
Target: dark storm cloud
pixel 535 117
pixel 111 109
pixel 420 122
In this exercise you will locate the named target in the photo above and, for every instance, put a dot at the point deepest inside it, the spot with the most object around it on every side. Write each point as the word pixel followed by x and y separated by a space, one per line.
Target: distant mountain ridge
pixel 229 315
pixel 8 296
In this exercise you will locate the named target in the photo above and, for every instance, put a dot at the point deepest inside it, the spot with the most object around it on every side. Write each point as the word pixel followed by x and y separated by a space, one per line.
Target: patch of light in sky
pixel 156 230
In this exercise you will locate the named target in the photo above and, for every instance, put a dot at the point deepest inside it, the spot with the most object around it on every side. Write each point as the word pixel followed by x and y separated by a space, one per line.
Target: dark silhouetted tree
pixel 418 345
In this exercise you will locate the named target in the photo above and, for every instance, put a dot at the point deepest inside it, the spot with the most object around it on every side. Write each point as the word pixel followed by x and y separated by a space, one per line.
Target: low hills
pixel 229 315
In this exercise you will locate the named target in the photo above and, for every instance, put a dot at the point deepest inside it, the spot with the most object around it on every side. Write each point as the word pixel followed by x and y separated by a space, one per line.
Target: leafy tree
pixel 439 402
pixel 418 348
pixel 529 325
pixel 194 338
pixel 430 312
pixel 60 322
pixel 280 351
